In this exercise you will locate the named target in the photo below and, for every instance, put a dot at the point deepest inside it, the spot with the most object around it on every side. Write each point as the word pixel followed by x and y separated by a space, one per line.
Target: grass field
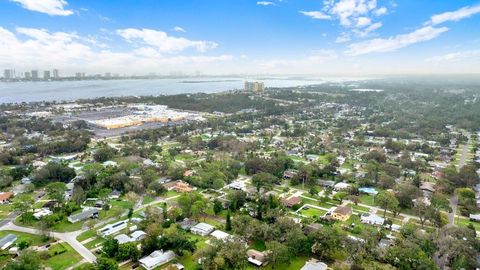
pixel 62 256
pixel 312 212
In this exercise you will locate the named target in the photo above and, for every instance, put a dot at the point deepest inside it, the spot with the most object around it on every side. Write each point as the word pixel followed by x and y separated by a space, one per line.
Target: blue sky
pixel 321 37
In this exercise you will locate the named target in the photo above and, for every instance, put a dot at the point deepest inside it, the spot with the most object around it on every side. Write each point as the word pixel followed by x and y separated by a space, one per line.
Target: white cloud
pixel 265 3
pixel 456 56
pixel 348 11
pixel 50 7
pixel 163 42
pixel 365 32
pixel 396 42
pixel 363 21
pixel 179 29
pixel 380 11
pixel 456 15
pixel 31 48
pixel 344 37
pixel 316 15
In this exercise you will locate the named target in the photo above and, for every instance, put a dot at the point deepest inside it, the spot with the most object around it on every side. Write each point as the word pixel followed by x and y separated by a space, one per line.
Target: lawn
pixel 359 208
pixel 367 199
pixel 4 210
pixel 34 240
pixel 312 212
pixel 147 200
pixel 463 222
pixel 62 256
pixel 86 235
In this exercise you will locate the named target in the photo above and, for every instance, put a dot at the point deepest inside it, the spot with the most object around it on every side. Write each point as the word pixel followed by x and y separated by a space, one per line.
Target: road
pixel 70 238
pixel 453 205
pixel 463 158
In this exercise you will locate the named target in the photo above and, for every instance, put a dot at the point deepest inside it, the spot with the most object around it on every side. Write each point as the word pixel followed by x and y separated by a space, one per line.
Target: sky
pixel 277 37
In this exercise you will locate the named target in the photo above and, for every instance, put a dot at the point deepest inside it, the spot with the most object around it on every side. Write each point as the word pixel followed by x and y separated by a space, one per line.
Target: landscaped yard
pixel 367 199
pixel 34 240
pixel 312 212
pixel 62 256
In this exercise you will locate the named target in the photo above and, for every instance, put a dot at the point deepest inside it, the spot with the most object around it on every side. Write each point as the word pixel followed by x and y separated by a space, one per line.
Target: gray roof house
pixel 86 214
pixel 157 258
pixel 7 241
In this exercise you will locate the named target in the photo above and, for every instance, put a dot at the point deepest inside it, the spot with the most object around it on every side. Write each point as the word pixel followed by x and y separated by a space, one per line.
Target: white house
pixel 138 235
pixel 112 228
pixel 7 241
pixel 42 212
pixel 202 229
pixel 123 238
pixel 372 219
pixel 221 235
pixel 156 259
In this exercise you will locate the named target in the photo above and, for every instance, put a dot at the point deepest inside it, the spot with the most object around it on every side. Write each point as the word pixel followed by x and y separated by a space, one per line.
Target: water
pixel 11 92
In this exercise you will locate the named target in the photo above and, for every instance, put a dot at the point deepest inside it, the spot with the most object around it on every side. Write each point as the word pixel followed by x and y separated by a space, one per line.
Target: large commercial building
pixel 254 86
pixel 8 74
pixel 34 74
pixel 56 75
pixel 46 75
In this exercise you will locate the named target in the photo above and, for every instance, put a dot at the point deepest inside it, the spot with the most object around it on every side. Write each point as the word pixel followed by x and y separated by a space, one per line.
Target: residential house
pixel 5 197
pixel 342 213
pixel 290 202
pixel 113 228
pixel 221 235
pixel 156 259
pixel 138 235
pixel 341 186
pixel 372 219
pixel 202 229
pixel 289 174
pixel 182 187
pixel 42 212
pixel 187 224
pixel 7 241
pixel 428 188
pixel 310 228
pixel 326 183
pixel 86 214
pixel 123 238
pixel 314 264
pixel 256 257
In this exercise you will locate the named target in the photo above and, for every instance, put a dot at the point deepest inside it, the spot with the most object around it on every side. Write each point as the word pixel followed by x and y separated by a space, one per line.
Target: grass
pixel 86 235
pixel 64 258
pixel 5 210
pixel 367 199
pixel 359 208
pixel 312 212
pixel 147 200
pixel 34 240
pixel 258 245
pixel 463 222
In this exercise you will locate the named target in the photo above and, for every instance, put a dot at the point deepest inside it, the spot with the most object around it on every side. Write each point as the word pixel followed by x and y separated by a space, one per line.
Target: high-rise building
pixel 46 75
pixel 56 76
pixel 254 86
pixel 8 74
pixel 34 74
pixel 27 75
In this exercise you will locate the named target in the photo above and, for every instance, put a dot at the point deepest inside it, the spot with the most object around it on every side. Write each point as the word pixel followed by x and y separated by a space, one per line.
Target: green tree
pixel 110 247
pixel 217 207
pixel 128 251
pixel 56 191
pixel 23 203
pixel 103 263
pixel 28 260
pixel 339 196
pixel 228 222
pixel 386 200
pixel 278 253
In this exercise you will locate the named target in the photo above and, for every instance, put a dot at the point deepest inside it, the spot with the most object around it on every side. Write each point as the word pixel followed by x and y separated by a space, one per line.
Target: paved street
pixel 69 238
